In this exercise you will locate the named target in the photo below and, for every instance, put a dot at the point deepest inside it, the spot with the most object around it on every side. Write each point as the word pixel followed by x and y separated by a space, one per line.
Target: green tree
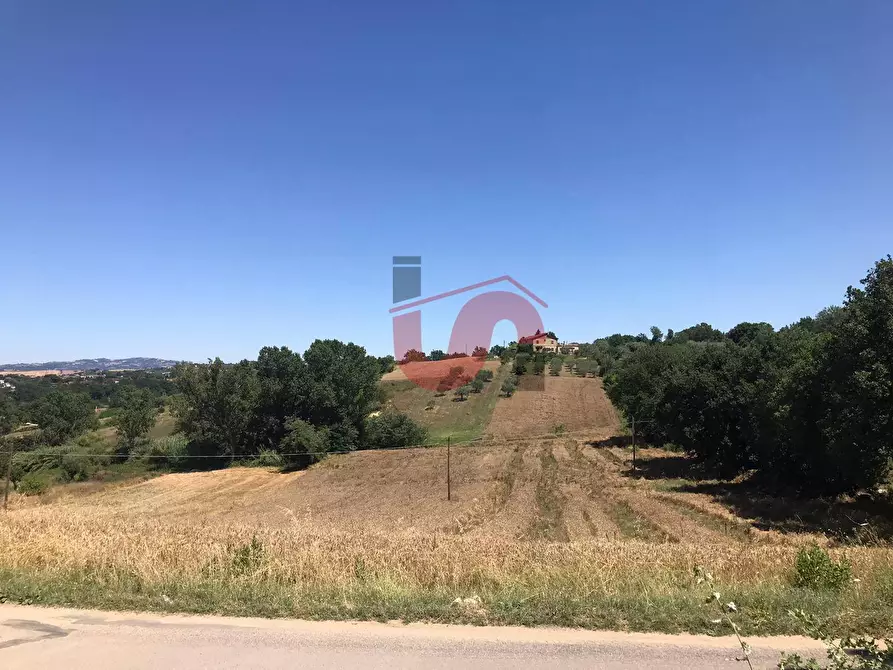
pixel 216 408
pixel 747 333
pixel 8 414
pixel 135 417
pixel 342 389
pixel 462 392
pixel 856 374
pixel 703 332
pixel 386 364
pixel 393 429
pixel 657 335
pixel 436 355
pixel 477 385
pixel 539 367
pixel 552 335
pixel 509 386
pixel 555 366
pixel 303 444
pixel 497 350
pixel 63 414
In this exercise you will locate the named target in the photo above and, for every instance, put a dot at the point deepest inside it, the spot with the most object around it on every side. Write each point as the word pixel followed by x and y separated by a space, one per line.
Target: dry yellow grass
pixel 371 535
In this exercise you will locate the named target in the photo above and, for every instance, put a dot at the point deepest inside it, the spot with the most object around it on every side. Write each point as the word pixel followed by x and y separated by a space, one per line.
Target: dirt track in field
pixel 554 488
pixel 574 402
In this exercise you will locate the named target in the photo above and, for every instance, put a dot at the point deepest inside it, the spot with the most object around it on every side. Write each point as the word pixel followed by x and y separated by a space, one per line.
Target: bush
pixel 267 458
pixel 303 444
pixel 393 429
pixel 509 386
pixel 484 375
pixel 77 467
pixel 477 385
pixel 555 366
pixel 42 458
pixel 31 485
pixel 169 451
pixel 815 569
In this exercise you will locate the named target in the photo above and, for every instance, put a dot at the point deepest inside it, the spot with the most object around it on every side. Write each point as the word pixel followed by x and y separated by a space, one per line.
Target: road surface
pixel 35 637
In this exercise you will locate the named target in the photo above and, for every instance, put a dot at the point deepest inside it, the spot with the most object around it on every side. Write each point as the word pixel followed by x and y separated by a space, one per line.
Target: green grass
pixel 165 426
pixel 549 521
pixel 461 421
pixel 763 610
pixel 634 525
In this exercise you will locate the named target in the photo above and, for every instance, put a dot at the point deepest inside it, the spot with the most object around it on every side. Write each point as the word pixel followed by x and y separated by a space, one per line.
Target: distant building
pixel 540 341
pixel 569 348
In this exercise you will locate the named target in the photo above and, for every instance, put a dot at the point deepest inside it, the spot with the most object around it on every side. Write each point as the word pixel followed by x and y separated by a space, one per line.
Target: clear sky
pixel 189 179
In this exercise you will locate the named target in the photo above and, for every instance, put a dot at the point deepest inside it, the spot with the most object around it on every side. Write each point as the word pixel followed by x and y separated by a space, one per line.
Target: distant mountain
pixel 93 364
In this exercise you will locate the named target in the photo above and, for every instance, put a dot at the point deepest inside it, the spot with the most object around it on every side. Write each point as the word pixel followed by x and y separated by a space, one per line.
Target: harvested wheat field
pixel 540 531
pixel 572 402
pixel 555 529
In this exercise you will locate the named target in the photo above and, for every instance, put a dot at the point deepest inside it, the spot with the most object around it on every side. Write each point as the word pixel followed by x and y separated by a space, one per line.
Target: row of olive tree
pixel 298 406
pixel 810 405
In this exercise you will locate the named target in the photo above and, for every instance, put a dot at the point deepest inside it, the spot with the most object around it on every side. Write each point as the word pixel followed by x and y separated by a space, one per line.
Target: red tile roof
pixel 530 339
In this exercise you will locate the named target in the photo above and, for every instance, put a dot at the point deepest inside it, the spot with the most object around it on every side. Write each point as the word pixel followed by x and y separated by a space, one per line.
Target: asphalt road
pixel 33 637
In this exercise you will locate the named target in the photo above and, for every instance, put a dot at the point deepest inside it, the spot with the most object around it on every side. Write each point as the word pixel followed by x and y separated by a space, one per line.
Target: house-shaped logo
pixel 473 328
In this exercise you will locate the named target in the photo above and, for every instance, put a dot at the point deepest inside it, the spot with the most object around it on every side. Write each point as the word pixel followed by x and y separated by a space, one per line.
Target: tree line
pixel 300 407
pixel 808 406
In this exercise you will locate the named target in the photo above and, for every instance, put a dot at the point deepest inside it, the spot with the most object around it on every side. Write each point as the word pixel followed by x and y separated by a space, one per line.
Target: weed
pixel 815 569
pixel 32 485
pixel 247 557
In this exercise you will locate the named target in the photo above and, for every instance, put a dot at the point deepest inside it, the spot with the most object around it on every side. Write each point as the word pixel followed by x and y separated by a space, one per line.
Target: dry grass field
pixel 572 402
pixel 548 529
pixel 37 373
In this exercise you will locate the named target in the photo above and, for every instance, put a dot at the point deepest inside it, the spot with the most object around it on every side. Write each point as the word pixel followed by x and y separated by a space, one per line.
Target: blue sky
pixel 190 179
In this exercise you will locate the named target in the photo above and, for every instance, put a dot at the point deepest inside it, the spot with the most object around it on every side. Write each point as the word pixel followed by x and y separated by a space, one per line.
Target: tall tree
pixel 136 415
pixel 217 405
pixel 62 415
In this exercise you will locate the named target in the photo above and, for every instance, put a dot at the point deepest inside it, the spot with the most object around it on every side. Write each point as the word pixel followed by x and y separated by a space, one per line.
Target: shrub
pixel 77 467
pixel 32 485
pixel 477 385
pixel 815 569
pixel 267 458
pixel 393 429
pixel 508 387
pixel 169 451
pixel 555 366
pixel 484 375
pixel 303 444
pixel 538 367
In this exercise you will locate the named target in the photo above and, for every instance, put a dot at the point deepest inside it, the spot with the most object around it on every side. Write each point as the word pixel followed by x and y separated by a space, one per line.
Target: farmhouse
pixel 569 348
pixel 540 341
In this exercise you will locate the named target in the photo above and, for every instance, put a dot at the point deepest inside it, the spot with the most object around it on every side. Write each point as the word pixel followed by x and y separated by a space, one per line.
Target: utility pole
pixel 8 475
pixel 448 467
pixel 634 444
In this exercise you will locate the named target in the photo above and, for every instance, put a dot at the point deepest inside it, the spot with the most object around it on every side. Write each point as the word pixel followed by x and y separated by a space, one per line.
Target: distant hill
pixel 92 364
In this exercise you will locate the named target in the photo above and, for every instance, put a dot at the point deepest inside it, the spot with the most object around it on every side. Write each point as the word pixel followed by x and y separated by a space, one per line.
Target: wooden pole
pixel 634 445
pixel 8 475
pixel 449 496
